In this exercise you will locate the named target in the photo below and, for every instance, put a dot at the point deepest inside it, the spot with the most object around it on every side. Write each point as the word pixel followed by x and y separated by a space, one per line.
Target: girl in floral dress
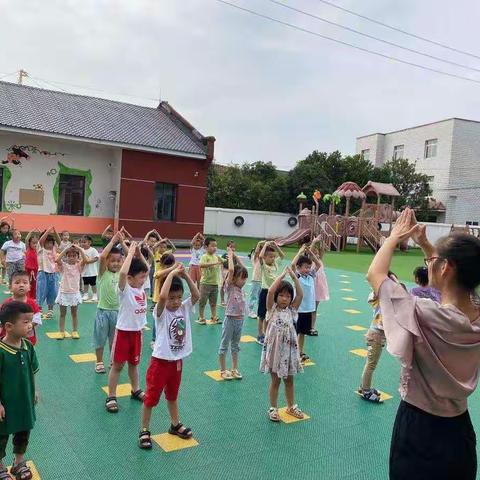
pixel 280 354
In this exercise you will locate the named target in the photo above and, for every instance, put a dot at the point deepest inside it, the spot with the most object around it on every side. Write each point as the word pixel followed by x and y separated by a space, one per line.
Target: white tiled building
pixel 448 151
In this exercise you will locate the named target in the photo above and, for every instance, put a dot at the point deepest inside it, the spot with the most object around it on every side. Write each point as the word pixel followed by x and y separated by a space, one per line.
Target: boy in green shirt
pixel 111 261
pixel 17 398
pixel 210 268
pixel 5 235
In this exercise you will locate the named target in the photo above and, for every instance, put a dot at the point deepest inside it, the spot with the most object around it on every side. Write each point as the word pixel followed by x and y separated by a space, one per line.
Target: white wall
pixel 219 221
pixel 42 168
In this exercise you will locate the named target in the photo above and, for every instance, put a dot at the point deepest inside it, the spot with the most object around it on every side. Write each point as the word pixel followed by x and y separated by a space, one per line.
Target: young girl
pixel 65 243
pixel 69 294
pixel 439 350
pixel 230 246
pixel 31 262
pixel 256 281
pixel 423 290
pixel 197 251
pixel 322 293
pixel 5 235
pixel 234 315
pixel 280 354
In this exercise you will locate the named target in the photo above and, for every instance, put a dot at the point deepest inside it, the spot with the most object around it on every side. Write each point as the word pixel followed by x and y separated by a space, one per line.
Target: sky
pixel 265 91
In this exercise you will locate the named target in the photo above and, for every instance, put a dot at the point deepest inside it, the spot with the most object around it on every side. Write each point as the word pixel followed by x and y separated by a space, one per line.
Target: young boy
pixel 107 309
pixel 47 278
pixel 14 252
pixel 306 275
pixel 172 345
pixel 269 269
pixel 65 243
pixel 132 317
pixel 107 235
pixel 20 288
pixel 90 270
pixel 5 235
pixel 151 238
pixel 17 398
pixel 210 267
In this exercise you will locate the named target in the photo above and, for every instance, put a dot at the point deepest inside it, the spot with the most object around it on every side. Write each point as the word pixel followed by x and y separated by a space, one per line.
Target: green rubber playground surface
pixel 344 438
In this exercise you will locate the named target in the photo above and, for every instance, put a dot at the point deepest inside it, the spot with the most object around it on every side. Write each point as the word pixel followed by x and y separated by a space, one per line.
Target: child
pixel 90 270
pixel 107 309
pixel 107 235
pixel 159 249
pixel 14 252
pixel 210 266
pixel 424 290
pixel 256 280
pixel 31 262
pixel 280 354
pixel 65 243
pixel 303 262
pixel 375 342
pixel 20 286
pixel 173 344
pixel 151 238
pixel 234 316
pixel 47 279
pixel 127 343
pixel 322 293
pixel 18 398
pixel 197 251
pixel 5 235
pixel 268 268
pixel 230 246
pixel 148 255
pixel 69 293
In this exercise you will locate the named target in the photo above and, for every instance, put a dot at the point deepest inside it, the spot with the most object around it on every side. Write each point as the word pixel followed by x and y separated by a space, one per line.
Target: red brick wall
pixel 140 171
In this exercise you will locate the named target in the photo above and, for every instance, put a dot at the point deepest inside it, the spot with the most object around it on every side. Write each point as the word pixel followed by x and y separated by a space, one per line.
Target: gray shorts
pixel 104 328
pixel 208 292
pixel 231 334
pixel 12 267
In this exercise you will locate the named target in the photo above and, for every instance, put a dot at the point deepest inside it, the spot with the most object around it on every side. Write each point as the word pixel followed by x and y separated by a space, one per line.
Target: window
pixel 398 152
pixel 366 154
pixel 164 206
pixel 71 194
pixel 431 148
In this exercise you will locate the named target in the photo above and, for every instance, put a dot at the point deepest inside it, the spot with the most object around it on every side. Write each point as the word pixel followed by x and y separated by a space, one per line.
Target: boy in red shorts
pixel 172 344
pixel 132 317
pixel 20 288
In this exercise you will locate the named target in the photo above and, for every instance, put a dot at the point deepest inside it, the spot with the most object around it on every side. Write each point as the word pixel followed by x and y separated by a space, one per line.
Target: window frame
pixel 173 208
pixel 59 203
pixel 395 152
pixel 430 146
pixel 362 153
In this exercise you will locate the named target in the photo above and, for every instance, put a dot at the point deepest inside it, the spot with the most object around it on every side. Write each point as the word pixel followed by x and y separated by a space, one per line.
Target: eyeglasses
pixel 430 259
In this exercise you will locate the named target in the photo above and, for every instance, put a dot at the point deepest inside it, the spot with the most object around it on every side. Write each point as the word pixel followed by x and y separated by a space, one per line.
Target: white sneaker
pixel 226 375
pixel 252 315
pixel 85 297
pixel 95 298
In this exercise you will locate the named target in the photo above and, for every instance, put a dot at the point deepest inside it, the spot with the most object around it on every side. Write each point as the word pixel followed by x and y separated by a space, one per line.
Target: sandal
pixel 21 471
pixel 273 414
pixel 313 333
pixel 100 368
pixel 304 358
pixel 49 314
pixel 201 321
pixel 180 431
pixel 145 440
pixel 4 475
pixel 226 375
pixel 294 411
pixel 371 395
pixel 111 405
pixel 138 395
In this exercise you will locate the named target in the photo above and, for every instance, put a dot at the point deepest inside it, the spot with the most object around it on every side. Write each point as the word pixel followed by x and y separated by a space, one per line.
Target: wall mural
pixel 17 153
pixel 12 205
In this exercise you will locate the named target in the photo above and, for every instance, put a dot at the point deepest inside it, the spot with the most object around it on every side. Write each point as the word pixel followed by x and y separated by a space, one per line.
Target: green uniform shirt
pixel 210 275
pixel 108 290
pixel 269 274
pixel 17 387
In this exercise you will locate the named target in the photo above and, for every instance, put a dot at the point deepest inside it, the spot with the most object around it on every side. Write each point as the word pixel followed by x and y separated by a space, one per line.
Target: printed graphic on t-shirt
pixel 176 333
pixel 141 303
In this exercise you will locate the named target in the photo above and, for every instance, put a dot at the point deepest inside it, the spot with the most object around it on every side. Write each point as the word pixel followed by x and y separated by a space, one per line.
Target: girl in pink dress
pixel 322 293
pixel 438 346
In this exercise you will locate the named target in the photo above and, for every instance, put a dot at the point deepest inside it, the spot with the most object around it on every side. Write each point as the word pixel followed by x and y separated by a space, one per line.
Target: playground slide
pixel 295 237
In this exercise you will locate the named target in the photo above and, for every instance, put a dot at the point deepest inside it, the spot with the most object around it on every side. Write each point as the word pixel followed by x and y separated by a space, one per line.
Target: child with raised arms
pixel 172 345
pixel 69 292
pixel 108 303
pixel 256 282
pixel 90 269
pixel 17 398
pixel 234 316
pixel 322 293
pixel 280 353
pixel 197 251
pixel 31 261
pixel 132 317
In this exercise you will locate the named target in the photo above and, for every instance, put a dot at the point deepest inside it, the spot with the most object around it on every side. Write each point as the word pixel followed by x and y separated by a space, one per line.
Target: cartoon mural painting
pixel 18 152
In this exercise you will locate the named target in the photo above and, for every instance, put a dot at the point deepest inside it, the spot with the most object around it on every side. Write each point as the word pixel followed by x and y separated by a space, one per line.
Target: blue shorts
pixel 104 327
pixel 47 288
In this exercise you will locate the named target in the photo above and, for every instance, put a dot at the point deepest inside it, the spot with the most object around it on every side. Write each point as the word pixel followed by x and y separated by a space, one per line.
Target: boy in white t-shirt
pixel 90 270
pixel 132 317
pixel 14 252
pixel 172 344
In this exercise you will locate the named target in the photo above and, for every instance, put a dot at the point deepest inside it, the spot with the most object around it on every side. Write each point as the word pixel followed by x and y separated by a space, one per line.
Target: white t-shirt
pixel 196 255
pixel 174 334
pixel 132 315
pixel 14 251
pixel 91 269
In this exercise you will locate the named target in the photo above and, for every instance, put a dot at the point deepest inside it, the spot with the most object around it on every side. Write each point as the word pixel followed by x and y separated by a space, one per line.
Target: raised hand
pixel 405 226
